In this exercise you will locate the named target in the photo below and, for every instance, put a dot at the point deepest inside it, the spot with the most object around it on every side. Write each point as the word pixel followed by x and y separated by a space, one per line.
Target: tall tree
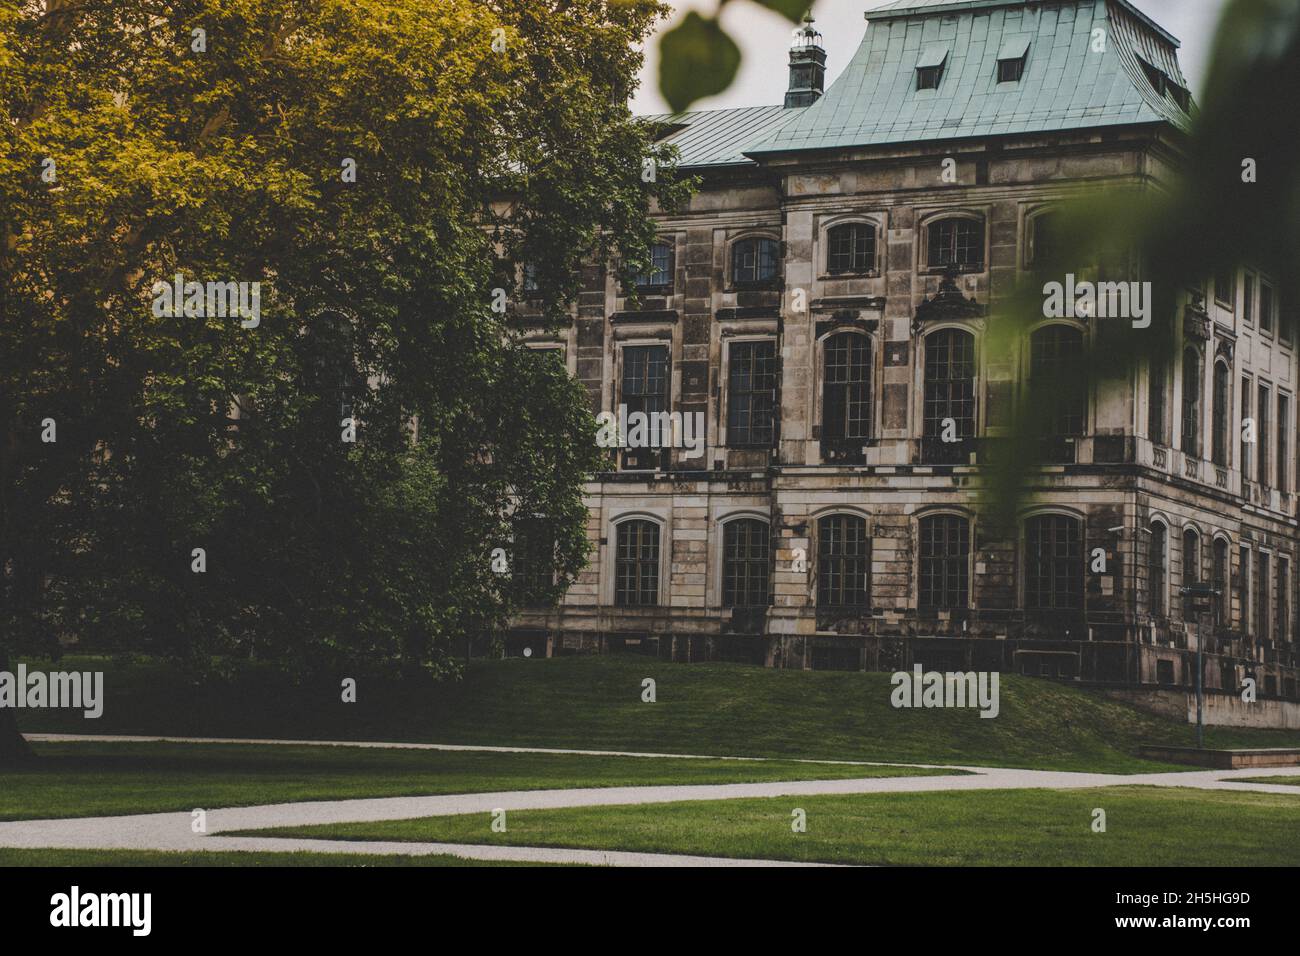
pixel 183 479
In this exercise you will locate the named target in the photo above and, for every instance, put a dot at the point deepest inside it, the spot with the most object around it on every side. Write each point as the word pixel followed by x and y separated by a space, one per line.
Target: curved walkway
pixel 172 831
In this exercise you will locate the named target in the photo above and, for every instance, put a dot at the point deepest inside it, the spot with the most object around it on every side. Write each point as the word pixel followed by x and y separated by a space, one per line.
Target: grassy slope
pixel 1285 781
pixel 1145 826
pixel 595 703
pixel 92 779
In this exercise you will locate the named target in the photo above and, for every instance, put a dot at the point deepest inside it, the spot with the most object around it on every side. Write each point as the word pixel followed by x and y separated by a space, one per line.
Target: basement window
pixel 929 68
pixel 1011 59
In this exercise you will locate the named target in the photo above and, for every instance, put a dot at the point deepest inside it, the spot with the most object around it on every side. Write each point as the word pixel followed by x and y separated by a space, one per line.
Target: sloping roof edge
pixel 955 6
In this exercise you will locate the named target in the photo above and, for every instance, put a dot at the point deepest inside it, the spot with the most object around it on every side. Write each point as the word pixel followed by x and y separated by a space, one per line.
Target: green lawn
pixel 96 779
pixel 1285 781
pixel 85 858
pixel 595 703
pixel 1145 826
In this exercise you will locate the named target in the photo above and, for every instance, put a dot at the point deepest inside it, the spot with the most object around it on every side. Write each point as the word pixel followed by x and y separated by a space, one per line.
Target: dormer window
pixel 1156 76
pixel 929 68
pixel 1164 84
pixel 1011 59
pixel 1182 96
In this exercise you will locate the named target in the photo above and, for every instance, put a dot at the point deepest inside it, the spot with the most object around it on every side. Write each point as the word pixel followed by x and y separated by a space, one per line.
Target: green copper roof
pixel 719 137
pixel 1067 83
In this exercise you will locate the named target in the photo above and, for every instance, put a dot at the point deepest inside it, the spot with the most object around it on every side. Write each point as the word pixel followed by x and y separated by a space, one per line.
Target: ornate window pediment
pixel 948 304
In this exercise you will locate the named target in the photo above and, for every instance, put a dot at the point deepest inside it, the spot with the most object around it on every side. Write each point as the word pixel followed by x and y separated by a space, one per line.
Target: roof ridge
pixel 903 8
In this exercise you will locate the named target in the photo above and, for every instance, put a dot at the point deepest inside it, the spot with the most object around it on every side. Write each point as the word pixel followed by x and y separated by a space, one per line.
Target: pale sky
pixel 764 37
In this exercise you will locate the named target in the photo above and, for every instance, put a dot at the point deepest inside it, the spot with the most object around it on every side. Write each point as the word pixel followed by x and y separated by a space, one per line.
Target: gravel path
pixel 172 831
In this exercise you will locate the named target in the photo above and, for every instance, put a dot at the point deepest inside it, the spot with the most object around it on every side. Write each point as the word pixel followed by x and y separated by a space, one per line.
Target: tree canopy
pixel 181 480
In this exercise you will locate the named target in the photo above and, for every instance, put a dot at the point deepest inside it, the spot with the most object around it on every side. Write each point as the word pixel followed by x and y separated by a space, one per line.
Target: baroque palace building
pixel 824 303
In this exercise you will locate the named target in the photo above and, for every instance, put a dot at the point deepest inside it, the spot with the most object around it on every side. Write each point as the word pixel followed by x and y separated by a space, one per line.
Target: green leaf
pixel 792 10
pixel 696 59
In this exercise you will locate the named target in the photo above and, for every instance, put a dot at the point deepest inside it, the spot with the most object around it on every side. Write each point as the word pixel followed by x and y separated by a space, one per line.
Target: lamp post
pixel 1202 601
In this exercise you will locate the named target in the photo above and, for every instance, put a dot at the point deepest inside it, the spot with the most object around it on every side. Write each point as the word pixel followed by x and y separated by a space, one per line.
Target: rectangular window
pixel 659 275
pixel 1243 589
pixel 1248 300
pixel 1225 287
pixel 1192 402
pixel 751 394
pixel 1262 582
pixel 1224 599
pixel 1266 308
pixel 1012 56
pixel 1156 545
pixel 1191 571
pixel 532 569
pixel 1283 599
pixel 645 378
pixel 1247 457
pixel 1263 432
pixel 1156 402
pixel 1283 443
pixel 645 388
pixel 928 77
pixel 846 387
pixel 949 383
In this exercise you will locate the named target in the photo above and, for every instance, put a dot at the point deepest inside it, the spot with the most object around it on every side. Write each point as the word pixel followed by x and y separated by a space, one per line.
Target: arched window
pixel 1191 569
pixel 1191 402
pixel 1056 378
pixel 851 249
pixel 659 276
pixel 1157 581
pixel 636 564
pixel 950 382
pixel 846 387
pixel 945 563
pixel 956 241
pixel 745 562
pixel 1221 581
pixel 843 561
pixel 1053 563
pixel 755 261
pixel 1222 406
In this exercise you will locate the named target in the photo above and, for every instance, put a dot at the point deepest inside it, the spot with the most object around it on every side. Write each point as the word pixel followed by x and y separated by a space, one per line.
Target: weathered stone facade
pixel 1117 482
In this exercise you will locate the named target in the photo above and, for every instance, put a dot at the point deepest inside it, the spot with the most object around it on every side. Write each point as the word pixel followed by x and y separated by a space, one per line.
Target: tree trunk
pixel 14 749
